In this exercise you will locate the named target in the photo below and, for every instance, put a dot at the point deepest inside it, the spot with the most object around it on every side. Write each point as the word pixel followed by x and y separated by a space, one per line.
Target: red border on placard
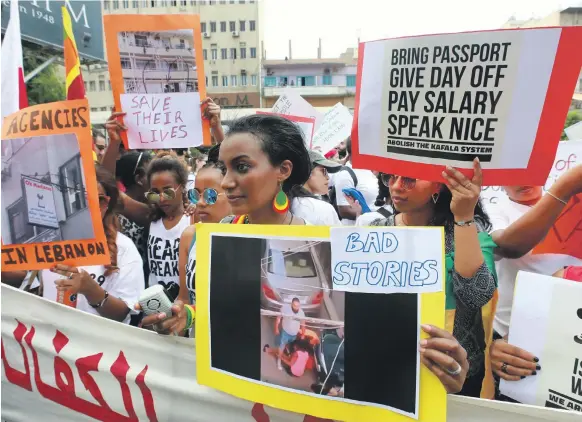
pixel 565 71
pixel 299 119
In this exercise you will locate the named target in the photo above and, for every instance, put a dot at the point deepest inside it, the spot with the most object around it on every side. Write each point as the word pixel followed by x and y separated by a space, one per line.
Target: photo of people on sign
pixel 43 191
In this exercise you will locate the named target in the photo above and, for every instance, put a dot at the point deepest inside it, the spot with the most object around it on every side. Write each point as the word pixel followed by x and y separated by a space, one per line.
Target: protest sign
pixel 306 124
pixel 428 101
pixel 546 320
pixel 157 78
pixel 388 259
pixel 335 127
pixel 574 132
pixel 282 275
pixel 49 189
pixel 292 103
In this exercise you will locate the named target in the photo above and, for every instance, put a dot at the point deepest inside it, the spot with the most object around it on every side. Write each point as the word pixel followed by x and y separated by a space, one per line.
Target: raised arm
pixel 114 127
pixel 211 112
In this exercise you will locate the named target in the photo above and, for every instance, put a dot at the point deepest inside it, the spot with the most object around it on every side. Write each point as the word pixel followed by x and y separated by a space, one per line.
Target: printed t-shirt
pixel 367 185
pixel 367 218
pixel 317 211
pixel 163 252
pixel 502 215
pixel 126 284
pixel 291 325
pixel 191 272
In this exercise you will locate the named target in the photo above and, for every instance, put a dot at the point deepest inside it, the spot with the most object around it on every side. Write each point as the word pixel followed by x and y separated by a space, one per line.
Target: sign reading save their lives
pixel 387 259
pixel 40 203
pixel 501 96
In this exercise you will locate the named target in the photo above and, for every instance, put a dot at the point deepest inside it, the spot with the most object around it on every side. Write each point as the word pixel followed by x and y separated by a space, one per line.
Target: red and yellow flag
pixel 74 79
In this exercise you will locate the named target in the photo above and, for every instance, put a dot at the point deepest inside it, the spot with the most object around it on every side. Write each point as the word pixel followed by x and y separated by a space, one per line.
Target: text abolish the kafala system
pixel 442 100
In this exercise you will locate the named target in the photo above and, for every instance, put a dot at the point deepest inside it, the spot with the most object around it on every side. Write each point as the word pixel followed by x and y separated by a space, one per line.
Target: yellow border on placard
pixel 432 395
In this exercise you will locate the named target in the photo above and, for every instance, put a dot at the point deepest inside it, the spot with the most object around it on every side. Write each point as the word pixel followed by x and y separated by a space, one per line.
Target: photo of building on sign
pixel 43 191
pixel 158 62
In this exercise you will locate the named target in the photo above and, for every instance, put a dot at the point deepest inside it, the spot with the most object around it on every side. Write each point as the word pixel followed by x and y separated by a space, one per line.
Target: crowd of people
pixel 261 172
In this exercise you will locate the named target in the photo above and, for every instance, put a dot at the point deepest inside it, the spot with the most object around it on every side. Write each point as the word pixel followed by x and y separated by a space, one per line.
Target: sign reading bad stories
pixel 425 102
pixel 387 259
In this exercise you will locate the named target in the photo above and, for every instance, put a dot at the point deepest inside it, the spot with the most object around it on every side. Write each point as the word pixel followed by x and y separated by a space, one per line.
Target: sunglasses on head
pixel 167 194
pixel 389 179
pixel 210 196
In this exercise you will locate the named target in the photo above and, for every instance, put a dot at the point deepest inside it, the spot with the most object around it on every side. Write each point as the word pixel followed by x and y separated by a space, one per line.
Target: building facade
pixel 322 82
pixel 232 50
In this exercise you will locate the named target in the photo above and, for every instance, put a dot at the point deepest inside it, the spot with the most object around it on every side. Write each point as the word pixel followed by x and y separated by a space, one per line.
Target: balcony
pixel 160 49
pixel 172 75
pixel 310 86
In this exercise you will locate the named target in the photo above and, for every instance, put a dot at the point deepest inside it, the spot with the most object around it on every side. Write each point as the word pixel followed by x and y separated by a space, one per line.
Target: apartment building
pixel 571 16
pixel 232 50
pixel 322 82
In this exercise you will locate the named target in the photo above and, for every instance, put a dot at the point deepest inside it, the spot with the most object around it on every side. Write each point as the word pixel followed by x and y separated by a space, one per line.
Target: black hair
pixel 295 300
pixel 180 151
pixel 281 140
pixel 168 161
pixel 383 193
pixel 212 160
pixel 131 164
pixel 97 134
pixel 349 146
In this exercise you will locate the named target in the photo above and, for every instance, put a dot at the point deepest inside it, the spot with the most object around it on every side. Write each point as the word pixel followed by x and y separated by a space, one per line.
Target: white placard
pixel 574 132
pixel 171 120
pixel 336 127
pixel 40 203
pixel 388 259
pixel 292 103
pixel 546 320
pixel 307 129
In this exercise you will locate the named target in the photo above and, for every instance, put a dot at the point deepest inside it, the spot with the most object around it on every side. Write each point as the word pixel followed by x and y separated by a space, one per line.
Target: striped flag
pixel 13 87
pixel 74 80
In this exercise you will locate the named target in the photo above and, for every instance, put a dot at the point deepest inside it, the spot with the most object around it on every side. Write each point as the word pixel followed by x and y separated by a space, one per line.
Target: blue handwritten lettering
pixel 381 242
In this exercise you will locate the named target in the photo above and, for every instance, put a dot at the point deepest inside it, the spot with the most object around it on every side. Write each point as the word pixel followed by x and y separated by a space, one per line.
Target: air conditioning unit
pixel 235 34
pixel 206 35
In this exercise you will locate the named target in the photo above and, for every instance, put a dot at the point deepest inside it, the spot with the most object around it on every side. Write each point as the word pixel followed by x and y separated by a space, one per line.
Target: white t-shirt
pixel 502 215
pixel 318 212
pixel 366 219
pixel 163 252
pixel 367 185
pixel 191 273
pixel 126 284
pixel 291 325
pixel 191 181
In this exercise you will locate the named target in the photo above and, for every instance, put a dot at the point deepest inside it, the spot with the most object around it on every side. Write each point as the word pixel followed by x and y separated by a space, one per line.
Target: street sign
pixel 41 22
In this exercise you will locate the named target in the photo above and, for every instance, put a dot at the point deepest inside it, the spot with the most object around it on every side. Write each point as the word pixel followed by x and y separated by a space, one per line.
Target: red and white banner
pixel 60 364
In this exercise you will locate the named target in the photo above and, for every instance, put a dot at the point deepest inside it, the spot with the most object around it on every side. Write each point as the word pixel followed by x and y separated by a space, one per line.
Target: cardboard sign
pixel 429 101
pixel 281 297
pixel 385 260
pixel 291 103
pixel 574 132
pixel 306 124
pixel 546 320
pixel 335 128
pixel 157 78
pixel 49 189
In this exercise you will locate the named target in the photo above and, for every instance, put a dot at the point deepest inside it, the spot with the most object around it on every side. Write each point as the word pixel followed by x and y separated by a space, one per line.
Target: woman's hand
pixel 75 280
pixel 465 192
pixel 354 205
pixel 510 362
pixel 570 183
pixel 175 324
pixel 114 127
pixel 211 111
pixel 445 357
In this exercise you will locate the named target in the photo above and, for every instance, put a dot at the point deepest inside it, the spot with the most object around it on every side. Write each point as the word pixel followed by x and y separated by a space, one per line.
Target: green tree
pixel 574 116
pixel 49 85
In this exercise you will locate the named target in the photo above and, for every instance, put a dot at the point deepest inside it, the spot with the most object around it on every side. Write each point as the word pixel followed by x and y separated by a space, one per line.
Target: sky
pixel 339 22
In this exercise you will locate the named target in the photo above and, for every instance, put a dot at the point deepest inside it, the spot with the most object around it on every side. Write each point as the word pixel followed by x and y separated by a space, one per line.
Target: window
pixel 351 80
pixel 203 27
pixel 125 63
pixel 241 25
pixel 174 3
pixel 106 4
pixel 20 230
pixel 205 54
pixel 101 85
pixel 109 83
pixel 233 79
pixel 135 4
pixel 327 79
pixel 225 81
pixel 232 26
pixel 85 83
pixel 252 25
pixel 71 180
pixel 231 2
pixel 212 2
pixel 146 3
pixel 254 80
pixel 243 79
pixel 292 265
pixel 212 26
pixel 94 109
pixel 224 53
pixel 253 53
pixel 214 53
pixel 192 2
pixel 91 85
pixel 233 53
pixel 243 53
pixel 223 26
pixel 221 1
pixel 103 109
pixel 126 4
pixel 241 1
pixel 270 81
pixel 141 40
pixel 183 2
pixel 214 80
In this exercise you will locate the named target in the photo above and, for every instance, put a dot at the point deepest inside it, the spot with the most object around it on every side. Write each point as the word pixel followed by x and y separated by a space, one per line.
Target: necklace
pixel 245 219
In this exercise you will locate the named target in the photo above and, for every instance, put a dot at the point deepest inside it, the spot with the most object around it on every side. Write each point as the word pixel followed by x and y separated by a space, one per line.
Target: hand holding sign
pixel 465 192
pixel 114 126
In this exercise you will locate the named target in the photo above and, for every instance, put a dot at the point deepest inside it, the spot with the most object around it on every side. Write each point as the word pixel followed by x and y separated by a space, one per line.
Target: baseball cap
pixel 319 160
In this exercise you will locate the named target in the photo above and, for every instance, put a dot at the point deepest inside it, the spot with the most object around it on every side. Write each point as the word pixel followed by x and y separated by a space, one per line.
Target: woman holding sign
pixel 471 280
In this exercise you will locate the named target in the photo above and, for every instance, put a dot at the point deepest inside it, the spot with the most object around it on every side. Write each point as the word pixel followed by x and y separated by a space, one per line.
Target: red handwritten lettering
pixel 14 376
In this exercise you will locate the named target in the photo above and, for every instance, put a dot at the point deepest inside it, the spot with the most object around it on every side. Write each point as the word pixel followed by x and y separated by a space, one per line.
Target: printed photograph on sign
pixel 43 191
pixel 156 69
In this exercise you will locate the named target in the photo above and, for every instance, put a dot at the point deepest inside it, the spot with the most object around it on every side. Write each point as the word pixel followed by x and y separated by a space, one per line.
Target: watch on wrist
pixel 464 223
pixel 100 304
